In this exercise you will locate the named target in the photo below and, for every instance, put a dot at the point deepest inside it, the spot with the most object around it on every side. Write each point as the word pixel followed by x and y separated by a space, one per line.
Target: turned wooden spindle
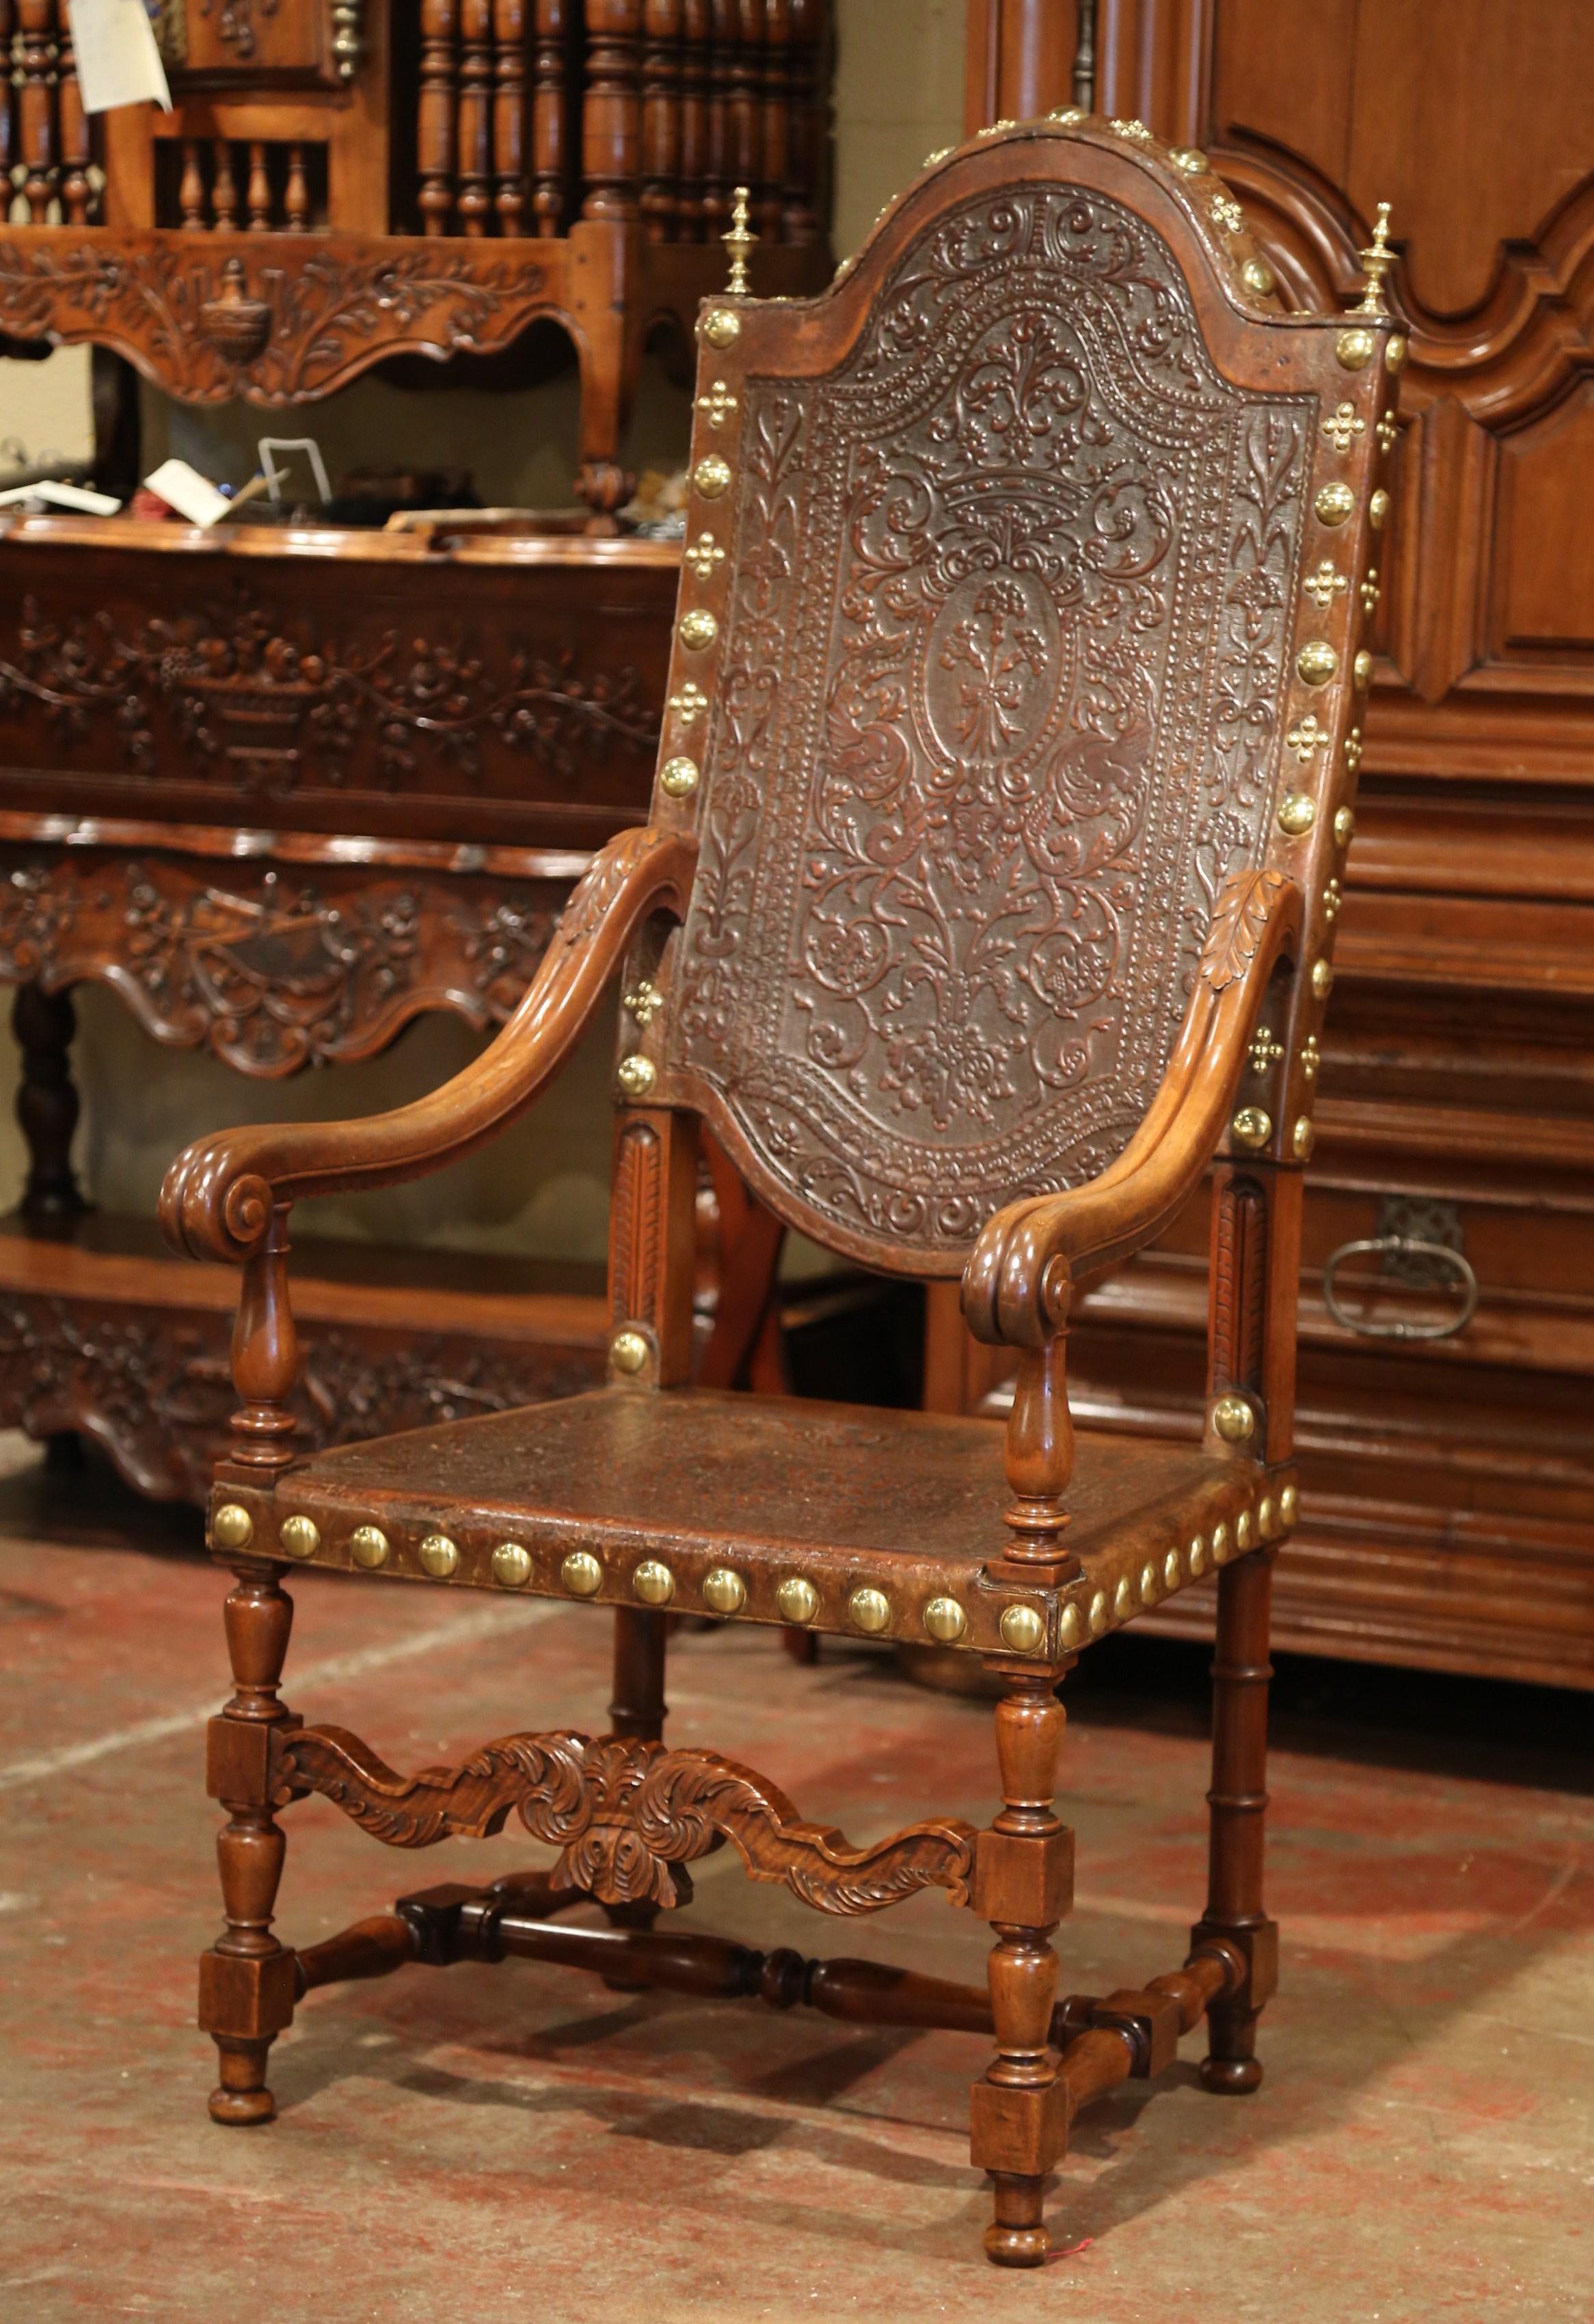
pixel 474 203
pixel 296 192
pixel 47 1104
pixel 224 186
pixel 1038 1457
pixel 75 193
pixel 1023 1887
pixel 258 195
pixel 696 40
pixel 434 113
pixel 265 1356
pixel 806 122
pixel 35 57
pixel 246 1980
pixel 551 117
pixel 191 189
pixel 611 119
pixel 662 117
pixel 509 115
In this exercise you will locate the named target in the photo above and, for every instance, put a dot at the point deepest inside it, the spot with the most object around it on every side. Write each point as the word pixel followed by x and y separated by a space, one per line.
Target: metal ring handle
pixel 1403 1246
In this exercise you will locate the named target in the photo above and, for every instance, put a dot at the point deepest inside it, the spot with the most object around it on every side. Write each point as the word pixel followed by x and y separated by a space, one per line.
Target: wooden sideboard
pixel 193 725
pixel 1447 1484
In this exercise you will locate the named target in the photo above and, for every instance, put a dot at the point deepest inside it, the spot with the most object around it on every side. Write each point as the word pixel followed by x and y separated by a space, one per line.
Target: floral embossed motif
pixel 998 713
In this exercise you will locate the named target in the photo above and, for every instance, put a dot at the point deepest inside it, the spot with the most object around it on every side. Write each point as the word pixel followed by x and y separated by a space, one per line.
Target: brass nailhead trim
pixel 1021 1629
pixel 439 1556
pixel 1286 1506
pixel 1148 1585
pixel 1123 1600
pixel 511 1565
pixel 1068 1626
pixel 628 1351
pixel 1098 1613
pixel 368 1546
pixel 653 1582
pixel 698 630
pixel 1221 1544
pixel 871 1609
pixel 797 1599
pixel 679 776
pixel 1316 662
pixel 232 1526
pixel 300 1537
pixel 1354 349
pixel 1335 503
pixel 636 1075
pixel 1234 1419
pixel 1172 1572
pixel 945 1619
pixel 581 1574
pixel 724 1590
pixel 720 327
pixel 712 476
pixel 1296 813
pixel 1251 1126
pixel 1323 979
pixel 1198 1555
pixel 1242 1530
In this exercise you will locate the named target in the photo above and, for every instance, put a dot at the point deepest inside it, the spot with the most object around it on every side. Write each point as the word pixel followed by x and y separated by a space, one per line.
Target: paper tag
pixel 66 496
pixel 192 495
pixel 118 61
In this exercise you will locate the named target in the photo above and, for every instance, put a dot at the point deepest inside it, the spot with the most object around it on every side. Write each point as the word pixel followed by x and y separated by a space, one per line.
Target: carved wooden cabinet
pixel 191 727
pixel 1447 1483
pixel 344 181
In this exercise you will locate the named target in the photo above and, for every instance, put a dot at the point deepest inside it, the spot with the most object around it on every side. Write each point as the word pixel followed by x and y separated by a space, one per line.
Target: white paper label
pixel 118 62
pixel 192 495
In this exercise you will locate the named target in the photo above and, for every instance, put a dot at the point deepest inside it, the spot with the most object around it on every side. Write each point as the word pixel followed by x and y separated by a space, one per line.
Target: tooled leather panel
pixel 998 712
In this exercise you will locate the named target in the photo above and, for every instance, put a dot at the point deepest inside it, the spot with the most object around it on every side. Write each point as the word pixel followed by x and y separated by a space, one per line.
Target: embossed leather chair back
pixel 994 577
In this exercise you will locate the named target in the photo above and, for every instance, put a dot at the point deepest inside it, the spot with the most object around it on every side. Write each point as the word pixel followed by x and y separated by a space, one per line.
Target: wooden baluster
pixel 258 196
pixel 75 150
pixel 806 122
pixel 47 1104
pixel 434 113
pixel 662 117
pixel 611 117
pixel 7 112
pixel 265 1356
pixel 474 204
pixel 551 117
pixel 697 34
pixel 36 56
pixel 716 160
pixel 743 118
pixel 191 191
pixel 774 101
pixel 296 198
pixel 509 115
pixel 246 1980
pixel 223 188
pixel 1023 1886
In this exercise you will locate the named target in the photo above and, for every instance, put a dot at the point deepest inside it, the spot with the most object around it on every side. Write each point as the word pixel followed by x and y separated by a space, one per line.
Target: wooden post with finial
pixel 740 240
pixel 1378 261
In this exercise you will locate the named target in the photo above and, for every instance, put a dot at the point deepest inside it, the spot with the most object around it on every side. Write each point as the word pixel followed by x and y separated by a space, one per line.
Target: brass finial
pixel 1376 260
pixel 738 242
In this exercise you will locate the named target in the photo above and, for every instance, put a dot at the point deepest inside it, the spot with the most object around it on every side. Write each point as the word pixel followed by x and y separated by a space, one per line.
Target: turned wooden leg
pixel 246 1980
pixel 1238 1802
pixel 46 1103
pixel 1023 1886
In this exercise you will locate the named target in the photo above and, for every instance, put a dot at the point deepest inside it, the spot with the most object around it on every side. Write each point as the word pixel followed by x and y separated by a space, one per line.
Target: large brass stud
pixel 870 1611
pixel 1198 1555
pixel 368 1546
pixel 1265 1516
pixel 1242 1530
pixel 724 1590
pixel 1021 1629
pixel 712 476
pixel 232 1526
pixel 580 1572
pixel 1354 349
pixel 1394 352
pixel 1286 1506
pixel 1323 979
pixel 1377 509
pixel 1234 1419
pixel 1221 1544
pixel 1335 503
pixel 945 1620
pixel 1190 159
pixel 699 629
pixel 653 1582
pixel 1251 1126
pixel 628 1351
pixel 797 1599
pixel 1123 1600
pixel 1344 826
pixel 1316 662
pixel 1068 1626
pixel 1361 669
pixel 720 327
pixel 1172 1572
pixel 300 1537
pixel 511 1565
pixel 439 1556
pixel 678 777
pixel 1148 1585
pixel 1257 277
pixel 1098 1613
pixel 1297 812
pixel 1303 1138
pixel 636 1075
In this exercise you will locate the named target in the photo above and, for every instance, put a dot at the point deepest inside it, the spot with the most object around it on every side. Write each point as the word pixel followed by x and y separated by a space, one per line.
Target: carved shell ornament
pixel 984 752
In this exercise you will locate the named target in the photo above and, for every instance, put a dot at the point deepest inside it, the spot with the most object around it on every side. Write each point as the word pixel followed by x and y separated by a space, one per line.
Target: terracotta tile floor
pixel 521 2142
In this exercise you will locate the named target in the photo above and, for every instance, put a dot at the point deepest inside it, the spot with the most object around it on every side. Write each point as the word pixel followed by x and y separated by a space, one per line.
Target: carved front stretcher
pixel 1004 783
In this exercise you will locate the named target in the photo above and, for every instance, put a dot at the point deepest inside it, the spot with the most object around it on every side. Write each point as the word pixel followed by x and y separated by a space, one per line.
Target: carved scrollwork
pixel 984 752
pixel 626 1817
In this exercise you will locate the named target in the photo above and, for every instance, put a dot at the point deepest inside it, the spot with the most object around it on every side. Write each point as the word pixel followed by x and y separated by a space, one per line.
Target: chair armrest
pixel 219 1195
pixel 1015 1286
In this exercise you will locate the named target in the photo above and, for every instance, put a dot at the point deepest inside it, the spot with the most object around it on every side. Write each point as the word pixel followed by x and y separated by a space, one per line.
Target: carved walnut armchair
pixel 987 900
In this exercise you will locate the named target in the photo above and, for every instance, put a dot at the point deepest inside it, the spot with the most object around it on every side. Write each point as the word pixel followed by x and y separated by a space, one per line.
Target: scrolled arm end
pixel 1016 1284
pixel 215 1204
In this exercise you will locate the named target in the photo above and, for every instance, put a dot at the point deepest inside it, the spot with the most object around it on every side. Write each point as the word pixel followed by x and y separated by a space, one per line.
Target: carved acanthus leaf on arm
pixel 219 1195
pixel 1017 1281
